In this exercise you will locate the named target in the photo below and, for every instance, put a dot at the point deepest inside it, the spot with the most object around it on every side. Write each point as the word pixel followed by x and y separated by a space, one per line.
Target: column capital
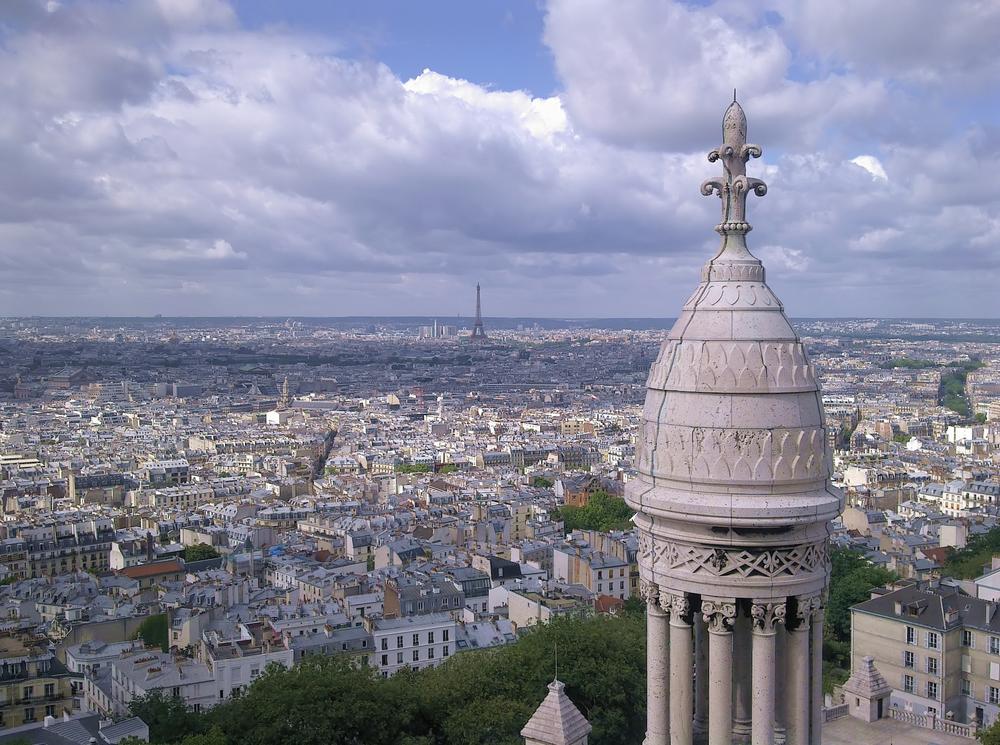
pixel 650 592
pixel 766 615
pixel 719 614
pixel 677 604
pixel 804 608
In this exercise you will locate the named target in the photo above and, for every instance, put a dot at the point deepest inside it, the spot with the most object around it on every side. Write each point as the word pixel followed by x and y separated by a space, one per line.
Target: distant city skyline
pixel 211 158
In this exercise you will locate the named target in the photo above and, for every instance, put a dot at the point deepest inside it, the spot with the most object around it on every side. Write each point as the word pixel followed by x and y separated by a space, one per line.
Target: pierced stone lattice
pixel 721 562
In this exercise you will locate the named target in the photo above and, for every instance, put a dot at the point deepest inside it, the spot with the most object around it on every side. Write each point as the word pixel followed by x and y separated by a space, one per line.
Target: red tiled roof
pixel 152 570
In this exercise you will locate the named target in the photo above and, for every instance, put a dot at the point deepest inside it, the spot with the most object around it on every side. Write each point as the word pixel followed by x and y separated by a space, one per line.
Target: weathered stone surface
pixel 733 494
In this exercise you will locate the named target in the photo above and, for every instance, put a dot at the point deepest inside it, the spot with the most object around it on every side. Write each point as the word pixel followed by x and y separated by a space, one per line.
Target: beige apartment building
pixel 937 647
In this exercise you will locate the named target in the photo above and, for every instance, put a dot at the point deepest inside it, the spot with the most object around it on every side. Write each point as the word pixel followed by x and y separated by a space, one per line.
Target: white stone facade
pixel 733 502
pixel 413 641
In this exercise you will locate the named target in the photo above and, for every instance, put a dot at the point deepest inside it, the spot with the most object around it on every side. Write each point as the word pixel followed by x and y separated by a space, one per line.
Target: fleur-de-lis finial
pixel 735 185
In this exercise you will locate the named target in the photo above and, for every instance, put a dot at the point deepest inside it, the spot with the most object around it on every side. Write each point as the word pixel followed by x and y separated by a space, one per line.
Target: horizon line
pixel 160 316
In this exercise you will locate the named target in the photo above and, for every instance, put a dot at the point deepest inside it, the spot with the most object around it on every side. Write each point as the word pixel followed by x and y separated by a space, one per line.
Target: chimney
pixel 48 721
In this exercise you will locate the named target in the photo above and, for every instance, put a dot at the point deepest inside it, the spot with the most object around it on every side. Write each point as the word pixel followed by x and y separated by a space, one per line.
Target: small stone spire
pixel 735 185
pixel 556 721
pixel 285 398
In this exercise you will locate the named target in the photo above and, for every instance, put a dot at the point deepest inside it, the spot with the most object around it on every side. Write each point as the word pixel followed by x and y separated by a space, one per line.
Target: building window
pixel 966 687
pixel 907 659
pixel 444 635
pixel 968 640
pixel 995 645
pixel 50 689
pixel 430 653
pixel 931 689
pixel 399 658
pixel 932 666
pixel 994 695
pixel 444 651
pixel 385 660
pixel 932 640
pixel 385 642
pixel 416 655
pixel 430 637
pixel 29 691
pixel 399 642
pixel 50 710
pixel 416 640
pixel 908 683
pixel 29 714
pixel 176 692
pixel 911 635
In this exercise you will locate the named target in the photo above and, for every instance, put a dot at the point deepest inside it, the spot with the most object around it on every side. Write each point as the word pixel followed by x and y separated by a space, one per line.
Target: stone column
pixel 797 665
pixel 816 679
pixel 700 675
pixel 681 669
pixel 719 616
pixel 765 617
pixel 780 685
pixel 742 685
pixel 657 668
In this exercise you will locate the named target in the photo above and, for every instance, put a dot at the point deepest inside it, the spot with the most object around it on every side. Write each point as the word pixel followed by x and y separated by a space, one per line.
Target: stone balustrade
pixel 835 712
pixel 930 721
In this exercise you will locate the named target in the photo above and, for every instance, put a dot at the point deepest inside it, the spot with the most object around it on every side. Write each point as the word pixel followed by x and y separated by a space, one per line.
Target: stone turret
pixel 556 721
pixel 733 499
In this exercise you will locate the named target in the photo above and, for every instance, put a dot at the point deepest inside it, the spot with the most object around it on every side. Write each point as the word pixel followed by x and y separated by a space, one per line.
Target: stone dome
pixel 733 490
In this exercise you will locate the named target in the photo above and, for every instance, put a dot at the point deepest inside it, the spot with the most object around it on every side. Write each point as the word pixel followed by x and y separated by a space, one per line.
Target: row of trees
pixel 475 698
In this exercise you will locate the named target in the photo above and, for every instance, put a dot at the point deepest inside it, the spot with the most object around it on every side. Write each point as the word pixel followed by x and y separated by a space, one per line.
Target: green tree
pixel 169 718
pixel 603 512
pixel 990 735
pixel 541 482
pixel 413 468
pixel 968 562
pixel 474 698
pixel 200 552
pixel 153 632
pixel 981 417
pixel 852 578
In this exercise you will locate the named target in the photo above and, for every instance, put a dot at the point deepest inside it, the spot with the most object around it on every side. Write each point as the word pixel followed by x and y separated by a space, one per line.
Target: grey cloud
pixel 257 172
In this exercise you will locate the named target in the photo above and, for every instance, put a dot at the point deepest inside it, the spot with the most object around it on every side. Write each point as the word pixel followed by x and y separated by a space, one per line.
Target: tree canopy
pixel 200 552
pixel 475 698
pixel 603 512
pixel 968 562
pixel 153 632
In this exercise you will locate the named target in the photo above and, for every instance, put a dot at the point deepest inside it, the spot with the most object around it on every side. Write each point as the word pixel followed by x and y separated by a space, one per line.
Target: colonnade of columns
pixel 727 670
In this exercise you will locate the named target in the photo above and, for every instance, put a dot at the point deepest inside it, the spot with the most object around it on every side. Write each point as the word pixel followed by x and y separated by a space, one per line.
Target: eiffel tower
pixel 477 330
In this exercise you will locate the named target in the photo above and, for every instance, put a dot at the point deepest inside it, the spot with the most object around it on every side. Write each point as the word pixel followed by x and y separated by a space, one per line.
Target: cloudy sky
pixel 199 157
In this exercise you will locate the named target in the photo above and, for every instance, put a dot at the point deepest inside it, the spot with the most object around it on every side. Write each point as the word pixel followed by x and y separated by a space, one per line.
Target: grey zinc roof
pixel 557 721
pixel 928 607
